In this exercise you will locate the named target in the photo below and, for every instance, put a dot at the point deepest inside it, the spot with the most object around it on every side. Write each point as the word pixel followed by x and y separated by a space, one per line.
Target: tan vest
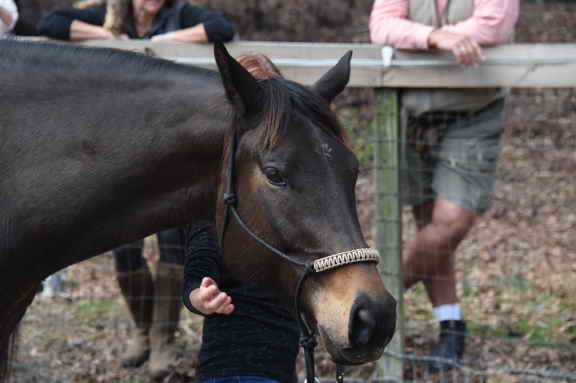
pixel 417 101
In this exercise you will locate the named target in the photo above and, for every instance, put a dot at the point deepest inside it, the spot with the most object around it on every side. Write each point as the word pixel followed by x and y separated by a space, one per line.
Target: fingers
pixel 467 52
pixel 207 281
pixel 221 303
pixel 108 35
pixel 225 306
pixel 478 53
pixel 207 294
pixel 215 303
pixel 465 49
pixel 208 299
pixel 226 310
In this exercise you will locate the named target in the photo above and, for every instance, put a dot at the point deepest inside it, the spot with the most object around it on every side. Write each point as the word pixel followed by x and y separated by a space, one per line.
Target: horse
pixel 102 147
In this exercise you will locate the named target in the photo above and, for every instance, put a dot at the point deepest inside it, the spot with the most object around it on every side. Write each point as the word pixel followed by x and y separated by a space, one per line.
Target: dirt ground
pixel 515 270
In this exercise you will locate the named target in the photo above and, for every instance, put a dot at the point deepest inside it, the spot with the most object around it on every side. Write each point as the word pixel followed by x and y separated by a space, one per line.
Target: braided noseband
pixel 346 258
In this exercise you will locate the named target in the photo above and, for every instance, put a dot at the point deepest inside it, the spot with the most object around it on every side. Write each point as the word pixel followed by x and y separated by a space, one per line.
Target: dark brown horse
pixel 101 147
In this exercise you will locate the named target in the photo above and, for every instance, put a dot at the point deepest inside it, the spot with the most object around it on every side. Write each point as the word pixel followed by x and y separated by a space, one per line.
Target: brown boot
pixel 167 306
pixel 137 287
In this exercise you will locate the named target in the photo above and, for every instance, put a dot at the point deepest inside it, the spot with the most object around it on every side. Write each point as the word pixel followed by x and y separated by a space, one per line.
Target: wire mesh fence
pixel 515 274
pixel 515 268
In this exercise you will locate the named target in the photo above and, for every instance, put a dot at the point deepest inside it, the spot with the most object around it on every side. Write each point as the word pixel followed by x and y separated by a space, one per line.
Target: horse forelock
pixel 283 99
pixel 285 102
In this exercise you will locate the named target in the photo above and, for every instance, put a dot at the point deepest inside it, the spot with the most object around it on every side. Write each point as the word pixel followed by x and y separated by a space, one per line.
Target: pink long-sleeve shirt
pixel 491 23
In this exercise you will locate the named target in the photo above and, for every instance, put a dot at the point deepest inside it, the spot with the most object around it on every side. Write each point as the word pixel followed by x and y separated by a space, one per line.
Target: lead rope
pixel 307 336
pixel 339 373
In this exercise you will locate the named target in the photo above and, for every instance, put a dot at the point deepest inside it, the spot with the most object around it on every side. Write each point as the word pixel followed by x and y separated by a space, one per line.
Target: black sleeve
pixel 57 23
pixel 203 259
pixel 218 27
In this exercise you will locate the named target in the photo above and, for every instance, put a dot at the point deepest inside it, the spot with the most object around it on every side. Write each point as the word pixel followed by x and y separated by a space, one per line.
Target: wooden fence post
pixel 388 236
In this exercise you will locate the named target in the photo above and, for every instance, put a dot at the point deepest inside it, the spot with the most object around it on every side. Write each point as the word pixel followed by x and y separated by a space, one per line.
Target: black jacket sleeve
pixel 218 27
pixel 203 259
pixel 57 23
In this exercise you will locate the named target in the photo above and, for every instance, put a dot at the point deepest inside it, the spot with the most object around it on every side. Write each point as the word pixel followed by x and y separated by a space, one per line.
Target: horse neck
pixel 121 157
pixel 171 154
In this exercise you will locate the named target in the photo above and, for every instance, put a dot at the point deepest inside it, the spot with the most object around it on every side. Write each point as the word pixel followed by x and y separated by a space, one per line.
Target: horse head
pixel 293 177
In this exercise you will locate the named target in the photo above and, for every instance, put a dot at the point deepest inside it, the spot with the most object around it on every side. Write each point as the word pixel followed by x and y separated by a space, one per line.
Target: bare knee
pixel 451 222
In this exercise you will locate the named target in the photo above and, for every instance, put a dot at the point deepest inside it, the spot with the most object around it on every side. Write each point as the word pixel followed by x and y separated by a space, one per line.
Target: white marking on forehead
pixel 325 150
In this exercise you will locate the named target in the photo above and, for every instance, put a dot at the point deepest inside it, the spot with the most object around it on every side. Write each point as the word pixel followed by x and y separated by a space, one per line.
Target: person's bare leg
pixel 441 226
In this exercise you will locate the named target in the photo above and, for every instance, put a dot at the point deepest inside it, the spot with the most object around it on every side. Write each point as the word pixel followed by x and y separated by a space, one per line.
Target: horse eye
pixel 274 176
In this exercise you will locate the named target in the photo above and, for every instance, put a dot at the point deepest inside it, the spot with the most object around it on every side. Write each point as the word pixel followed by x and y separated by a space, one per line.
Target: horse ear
pixel 241 87
pixel 335 80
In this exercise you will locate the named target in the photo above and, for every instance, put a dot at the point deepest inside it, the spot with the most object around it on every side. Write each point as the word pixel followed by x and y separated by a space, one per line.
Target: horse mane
pixel 68 58
pixel 282 98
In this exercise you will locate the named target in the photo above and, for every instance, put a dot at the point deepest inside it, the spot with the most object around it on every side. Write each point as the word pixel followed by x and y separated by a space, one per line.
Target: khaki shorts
pixel 452 155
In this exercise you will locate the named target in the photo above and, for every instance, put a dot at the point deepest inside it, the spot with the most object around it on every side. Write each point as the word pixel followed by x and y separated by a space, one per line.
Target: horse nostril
pixel 362 328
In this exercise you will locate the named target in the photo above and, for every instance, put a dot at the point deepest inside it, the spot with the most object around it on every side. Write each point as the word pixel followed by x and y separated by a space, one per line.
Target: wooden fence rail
pixel 521 65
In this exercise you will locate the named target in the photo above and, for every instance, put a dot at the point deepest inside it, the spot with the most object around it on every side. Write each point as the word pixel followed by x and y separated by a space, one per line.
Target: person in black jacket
pixel 174 20
pixel 248 336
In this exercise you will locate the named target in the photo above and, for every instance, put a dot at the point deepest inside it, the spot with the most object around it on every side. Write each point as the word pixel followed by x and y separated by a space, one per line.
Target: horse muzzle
pixel 371 326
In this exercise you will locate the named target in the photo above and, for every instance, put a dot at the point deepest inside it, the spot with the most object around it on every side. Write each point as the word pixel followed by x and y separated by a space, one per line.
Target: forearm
pixel 58 24
pixel 492 22
pixel 196 34
pixel 215 27
pixel 80 30
pixel 389 25
pixel 203 259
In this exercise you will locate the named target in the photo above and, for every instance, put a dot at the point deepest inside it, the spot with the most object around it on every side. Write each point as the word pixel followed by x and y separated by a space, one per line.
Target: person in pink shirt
pixel 452 144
